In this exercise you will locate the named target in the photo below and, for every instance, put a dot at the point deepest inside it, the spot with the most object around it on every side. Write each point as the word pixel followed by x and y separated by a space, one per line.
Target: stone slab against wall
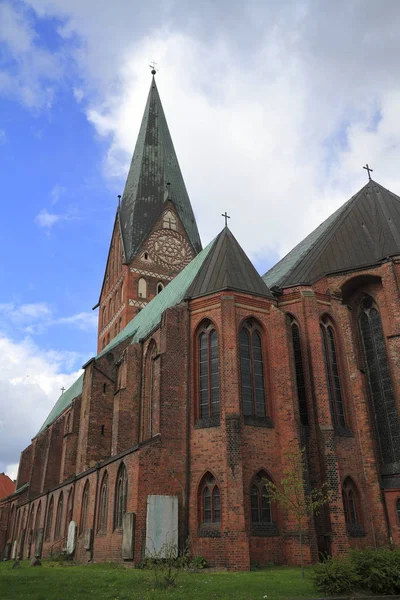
pixel 71 540
pixel 161 524
pixel 128 535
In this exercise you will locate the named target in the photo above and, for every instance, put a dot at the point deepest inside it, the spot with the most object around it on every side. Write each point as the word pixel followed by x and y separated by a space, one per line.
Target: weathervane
pixel 369 171
pixel 152 66
pixel 226 217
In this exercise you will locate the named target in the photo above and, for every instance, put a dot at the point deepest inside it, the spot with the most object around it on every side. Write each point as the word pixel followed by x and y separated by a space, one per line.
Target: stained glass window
pixel 332 374
pixel 380 382
pixel 208 371
pixel 261 511
pixel 121 493
pixel 210 500
pixel 252 370
pixel 299 369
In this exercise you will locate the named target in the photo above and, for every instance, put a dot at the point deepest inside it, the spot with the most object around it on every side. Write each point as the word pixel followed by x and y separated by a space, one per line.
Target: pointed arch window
pixel 209 501
pixel 261 509
pixel 299 369
pixel 38 516
pixel 57 529
pixel 351 508
pixel 85 508
pixel 398 510
pixel 332 373
pixel 208 383
pixel 68 514
pixel 380 382
pixel 160 287
pixel 49 522
pixel 103 506
pixel 252 370
pixel 121 494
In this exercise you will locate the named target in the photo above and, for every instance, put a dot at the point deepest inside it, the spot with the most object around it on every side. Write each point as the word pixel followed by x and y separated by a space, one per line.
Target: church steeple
pixel 155 233
pixel 153 175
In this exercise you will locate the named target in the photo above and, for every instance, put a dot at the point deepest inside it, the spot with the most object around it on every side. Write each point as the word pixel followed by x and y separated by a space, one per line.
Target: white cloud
pixel 30 383
pixel 36 318
pixel 46 219
pixel 29 72
pixel 12 471
pixel 56 193
pixel 3 137
pixel 79 94
pixel 273 107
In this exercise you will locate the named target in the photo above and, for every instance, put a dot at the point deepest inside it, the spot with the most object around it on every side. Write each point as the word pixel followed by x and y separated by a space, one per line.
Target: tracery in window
pixel 57 529
pixel 380 382
pixel 261 509
pixel 103 505
pixel 208 382
pixel 252 370
pixel 49 522
pixel 209 501
pixel 299 369
pixel 351 508
pixel 85 508
pixel 332 373
pixel 121 494
pixel 169 220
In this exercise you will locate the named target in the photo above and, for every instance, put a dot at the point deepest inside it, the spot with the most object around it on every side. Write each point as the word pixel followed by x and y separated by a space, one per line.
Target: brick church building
pixel 207 374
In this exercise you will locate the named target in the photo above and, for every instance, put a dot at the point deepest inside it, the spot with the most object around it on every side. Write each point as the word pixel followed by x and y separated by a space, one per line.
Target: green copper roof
pixel 143 324
pixel 154 165
pixel 63 402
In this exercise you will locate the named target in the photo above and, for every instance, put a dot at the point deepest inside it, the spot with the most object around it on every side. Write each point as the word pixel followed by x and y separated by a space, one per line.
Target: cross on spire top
pixel 62 390
pixel 369 171
pixel 152 66
pixel 226 217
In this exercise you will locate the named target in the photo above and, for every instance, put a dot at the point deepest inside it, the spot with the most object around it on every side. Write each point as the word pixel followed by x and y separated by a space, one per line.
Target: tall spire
pixel 154 164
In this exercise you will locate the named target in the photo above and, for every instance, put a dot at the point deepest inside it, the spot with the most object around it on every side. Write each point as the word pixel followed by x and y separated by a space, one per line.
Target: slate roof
pixel 227 267
pixel 154 164
pixel 7 486
pixel 362 232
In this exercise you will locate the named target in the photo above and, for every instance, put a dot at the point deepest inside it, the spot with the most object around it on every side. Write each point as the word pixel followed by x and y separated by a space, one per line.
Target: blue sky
pixel 273 108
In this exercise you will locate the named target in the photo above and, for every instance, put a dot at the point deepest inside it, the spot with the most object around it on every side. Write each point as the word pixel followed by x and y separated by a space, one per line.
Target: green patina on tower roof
pixel 154 168
pixel 141 326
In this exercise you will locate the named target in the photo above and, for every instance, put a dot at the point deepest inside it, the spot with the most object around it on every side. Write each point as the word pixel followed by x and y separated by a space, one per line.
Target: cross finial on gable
pixel 226 217
pixel 62 390
pixel 369 171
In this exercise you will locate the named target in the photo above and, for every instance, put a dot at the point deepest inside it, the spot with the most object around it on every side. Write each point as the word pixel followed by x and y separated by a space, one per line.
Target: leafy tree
pixel 294 496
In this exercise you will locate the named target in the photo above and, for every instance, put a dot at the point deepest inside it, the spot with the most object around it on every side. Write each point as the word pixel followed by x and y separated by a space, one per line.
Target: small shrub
pixel 197 563
pixel 378 570
pixel 335 576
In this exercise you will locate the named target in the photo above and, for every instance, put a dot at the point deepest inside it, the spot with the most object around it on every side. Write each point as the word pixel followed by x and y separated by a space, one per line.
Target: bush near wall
pixel 375 571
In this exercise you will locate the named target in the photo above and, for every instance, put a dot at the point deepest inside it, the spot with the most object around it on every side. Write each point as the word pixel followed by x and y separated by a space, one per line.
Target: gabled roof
pixel 227 267
pixel 7 486
pixel 154 164
pixel 140 326
pixel 362 232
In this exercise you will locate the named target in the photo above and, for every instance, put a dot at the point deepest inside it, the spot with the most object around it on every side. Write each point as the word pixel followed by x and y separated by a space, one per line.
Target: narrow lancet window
pixel 332 374
pixel 299 369
pixel 380 382
pixel 208 371
pixel 252 370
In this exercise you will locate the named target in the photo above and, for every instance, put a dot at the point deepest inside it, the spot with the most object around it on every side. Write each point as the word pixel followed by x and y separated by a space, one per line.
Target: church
pixel 208 374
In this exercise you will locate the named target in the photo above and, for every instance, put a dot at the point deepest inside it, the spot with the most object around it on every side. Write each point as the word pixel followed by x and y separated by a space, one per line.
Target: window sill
pixel 207 422
pixel 258 421
pixel 264 529
pixel 355 531
pixel 342 431
pixel 209 530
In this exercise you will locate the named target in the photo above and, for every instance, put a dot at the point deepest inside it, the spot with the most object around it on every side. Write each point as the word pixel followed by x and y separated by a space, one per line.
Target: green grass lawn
pixel 115 582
